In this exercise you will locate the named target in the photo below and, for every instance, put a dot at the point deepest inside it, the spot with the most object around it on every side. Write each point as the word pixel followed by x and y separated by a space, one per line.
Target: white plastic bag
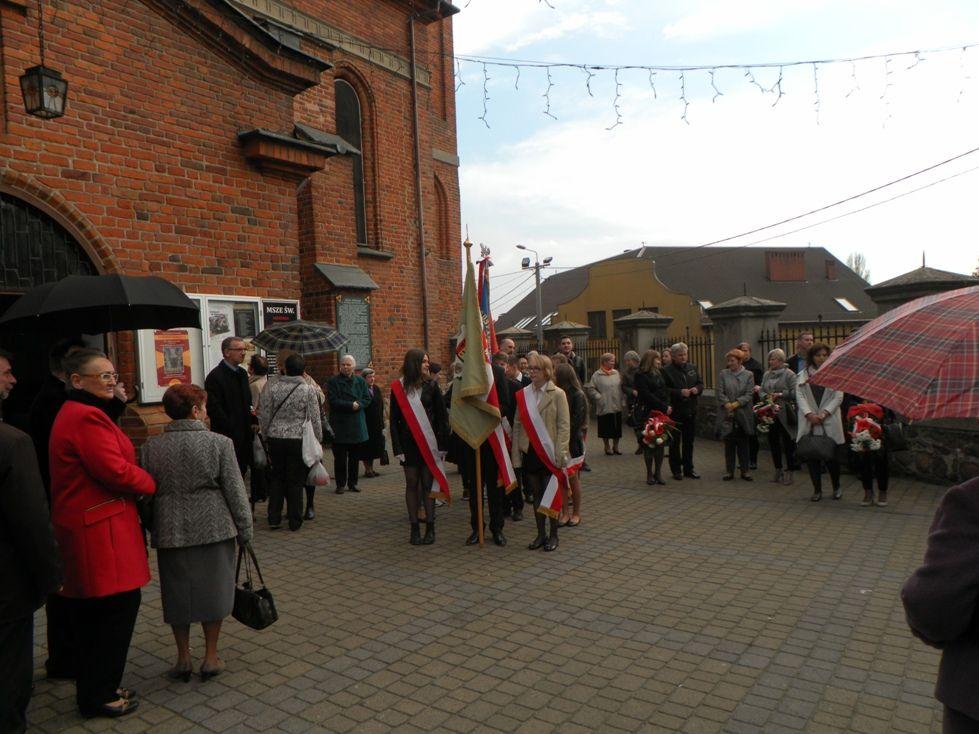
pixel 312 451
pixel 318 476
pixel 260 459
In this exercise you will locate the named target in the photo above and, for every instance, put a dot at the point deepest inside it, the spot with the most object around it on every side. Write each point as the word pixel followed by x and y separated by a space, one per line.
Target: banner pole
pixel 479 496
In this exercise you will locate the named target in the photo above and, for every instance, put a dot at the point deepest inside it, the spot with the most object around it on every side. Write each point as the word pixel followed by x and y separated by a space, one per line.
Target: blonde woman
pixel 605 388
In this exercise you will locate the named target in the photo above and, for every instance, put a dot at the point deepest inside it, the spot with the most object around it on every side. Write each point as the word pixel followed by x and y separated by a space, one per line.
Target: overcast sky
pixel 577 191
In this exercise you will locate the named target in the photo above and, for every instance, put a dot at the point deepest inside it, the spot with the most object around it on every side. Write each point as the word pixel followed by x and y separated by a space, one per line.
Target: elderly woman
pixel 605 388
pixel 349 398
pixel 287 404
pixel 374 448
pixel 552 404
pixel 819 415
pixel 199 511
pixel 735 422
pixel 94 483
pixel 652 394
pixel 778 383
pixel 630 365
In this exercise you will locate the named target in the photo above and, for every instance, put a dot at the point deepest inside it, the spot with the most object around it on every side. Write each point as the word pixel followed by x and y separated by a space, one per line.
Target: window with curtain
pixel 350 128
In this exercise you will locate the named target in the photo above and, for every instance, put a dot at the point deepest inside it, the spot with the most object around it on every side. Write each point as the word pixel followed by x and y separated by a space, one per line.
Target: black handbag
pixel 816 448
pixel 385 458
pixel 895 437
pixel 253 607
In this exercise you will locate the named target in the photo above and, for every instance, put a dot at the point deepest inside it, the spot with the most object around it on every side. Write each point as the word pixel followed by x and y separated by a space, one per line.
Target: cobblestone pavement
pixel 701 606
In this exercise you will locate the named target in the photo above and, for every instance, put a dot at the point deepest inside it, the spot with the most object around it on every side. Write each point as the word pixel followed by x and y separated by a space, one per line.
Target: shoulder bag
pixel 253 607
pixel 816 448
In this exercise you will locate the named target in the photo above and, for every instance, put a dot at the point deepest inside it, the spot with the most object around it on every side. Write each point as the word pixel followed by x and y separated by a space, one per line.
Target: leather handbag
pixel 253 607
pixel 895 437
pixel 816 448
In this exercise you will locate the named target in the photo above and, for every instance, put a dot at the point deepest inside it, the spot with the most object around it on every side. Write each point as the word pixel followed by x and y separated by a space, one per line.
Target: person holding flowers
pixel 652 395
pixel 735 390
pixel 776 414
pixel 865 427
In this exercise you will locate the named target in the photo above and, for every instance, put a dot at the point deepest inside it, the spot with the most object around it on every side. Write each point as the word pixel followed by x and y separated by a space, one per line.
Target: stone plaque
pixel 354 322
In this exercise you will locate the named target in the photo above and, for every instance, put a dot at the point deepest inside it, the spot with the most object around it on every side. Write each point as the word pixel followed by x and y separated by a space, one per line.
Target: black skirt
pixel 610 425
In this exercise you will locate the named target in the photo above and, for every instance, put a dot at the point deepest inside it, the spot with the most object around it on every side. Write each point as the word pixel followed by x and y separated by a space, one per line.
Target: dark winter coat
pixel 653 394
pixel 679 378
pixel 229 406
pixel 374 416
pixel 349 425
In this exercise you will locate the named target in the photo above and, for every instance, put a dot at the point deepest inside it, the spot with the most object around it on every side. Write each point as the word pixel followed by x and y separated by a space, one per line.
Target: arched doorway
pixel 34 249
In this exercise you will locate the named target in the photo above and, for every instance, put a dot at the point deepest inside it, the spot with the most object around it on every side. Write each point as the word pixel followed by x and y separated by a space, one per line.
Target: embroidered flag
pixel 489 328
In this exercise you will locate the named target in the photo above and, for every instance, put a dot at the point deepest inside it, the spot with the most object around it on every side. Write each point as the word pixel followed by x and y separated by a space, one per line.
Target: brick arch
pixel 54 205
pixel 349 73
pixel 442 220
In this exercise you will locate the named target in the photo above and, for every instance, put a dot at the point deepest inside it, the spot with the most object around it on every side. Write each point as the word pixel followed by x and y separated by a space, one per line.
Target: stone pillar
pixel 640 329
pixel 742 319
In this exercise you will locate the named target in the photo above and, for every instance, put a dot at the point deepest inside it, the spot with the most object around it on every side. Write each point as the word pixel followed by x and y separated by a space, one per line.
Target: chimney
pixel 831 270
pixel 785 265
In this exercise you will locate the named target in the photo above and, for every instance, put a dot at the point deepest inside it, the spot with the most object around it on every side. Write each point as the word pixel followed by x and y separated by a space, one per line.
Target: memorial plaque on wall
pixel 354 322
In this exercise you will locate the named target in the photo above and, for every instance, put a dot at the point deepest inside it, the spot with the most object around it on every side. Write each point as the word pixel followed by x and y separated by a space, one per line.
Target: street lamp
pixel 525 264
pixel 45 91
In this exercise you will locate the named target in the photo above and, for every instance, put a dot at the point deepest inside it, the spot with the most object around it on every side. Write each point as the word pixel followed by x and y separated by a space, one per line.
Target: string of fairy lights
pixel 656 75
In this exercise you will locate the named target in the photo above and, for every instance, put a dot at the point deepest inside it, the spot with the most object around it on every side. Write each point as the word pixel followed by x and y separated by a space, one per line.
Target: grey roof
pixel 347 277
pixel 643 315
pixel 926 275
pixel 718 274
pixel 335 142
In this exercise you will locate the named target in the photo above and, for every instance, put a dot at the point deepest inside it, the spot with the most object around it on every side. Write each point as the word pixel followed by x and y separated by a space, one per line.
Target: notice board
pixel 354 322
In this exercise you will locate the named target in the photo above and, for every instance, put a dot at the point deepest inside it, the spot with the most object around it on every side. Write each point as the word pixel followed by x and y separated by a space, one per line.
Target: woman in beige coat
pixel 605 388
pixel 553 406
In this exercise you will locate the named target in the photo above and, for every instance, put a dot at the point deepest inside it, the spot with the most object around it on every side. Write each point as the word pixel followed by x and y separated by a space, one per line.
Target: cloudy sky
pixel 578 191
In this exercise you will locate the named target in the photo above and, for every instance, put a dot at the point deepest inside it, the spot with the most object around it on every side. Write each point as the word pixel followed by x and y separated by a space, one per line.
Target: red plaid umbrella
pixel 920 360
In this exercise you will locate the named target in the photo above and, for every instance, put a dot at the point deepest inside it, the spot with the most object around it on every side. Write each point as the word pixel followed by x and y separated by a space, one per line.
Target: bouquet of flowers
pixel 865 427
pixel 765 414
pixel 658 429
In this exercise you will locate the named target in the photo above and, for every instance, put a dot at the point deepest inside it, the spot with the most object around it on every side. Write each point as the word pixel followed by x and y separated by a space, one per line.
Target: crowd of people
pixel 240 440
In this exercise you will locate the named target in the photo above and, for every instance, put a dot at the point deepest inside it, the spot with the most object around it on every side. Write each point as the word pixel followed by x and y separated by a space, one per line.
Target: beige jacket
pixel 554 410
pixel 606 391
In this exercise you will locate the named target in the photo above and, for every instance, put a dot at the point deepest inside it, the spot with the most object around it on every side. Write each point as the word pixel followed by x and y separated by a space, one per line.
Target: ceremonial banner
pixel 489 328
pixel 421 430
pixel 540 442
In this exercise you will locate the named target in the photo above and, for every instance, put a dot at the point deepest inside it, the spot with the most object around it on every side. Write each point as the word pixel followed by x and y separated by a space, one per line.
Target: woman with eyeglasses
pixel 95 481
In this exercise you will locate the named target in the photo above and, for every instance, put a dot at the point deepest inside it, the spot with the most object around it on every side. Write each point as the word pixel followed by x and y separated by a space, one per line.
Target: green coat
pixel 341 393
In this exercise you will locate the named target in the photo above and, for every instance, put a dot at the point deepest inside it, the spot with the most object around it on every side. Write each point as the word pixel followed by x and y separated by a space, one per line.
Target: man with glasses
pixel 31 567
pixel 229 400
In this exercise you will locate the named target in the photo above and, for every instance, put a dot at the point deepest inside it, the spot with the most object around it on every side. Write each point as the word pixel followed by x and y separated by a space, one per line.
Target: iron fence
pixel 595 348
pixel 785 337
pixel 701 352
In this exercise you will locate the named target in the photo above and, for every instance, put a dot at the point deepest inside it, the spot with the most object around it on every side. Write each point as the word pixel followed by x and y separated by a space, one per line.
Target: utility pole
pixel 540 310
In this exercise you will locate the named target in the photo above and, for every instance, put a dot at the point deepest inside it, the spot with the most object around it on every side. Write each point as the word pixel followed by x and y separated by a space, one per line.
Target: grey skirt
pixel 197 583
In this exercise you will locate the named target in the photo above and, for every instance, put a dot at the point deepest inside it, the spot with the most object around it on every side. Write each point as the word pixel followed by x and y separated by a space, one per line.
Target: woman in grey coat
pixel 735 421
pixel 605 388
pixel 200 508
pixel 779 383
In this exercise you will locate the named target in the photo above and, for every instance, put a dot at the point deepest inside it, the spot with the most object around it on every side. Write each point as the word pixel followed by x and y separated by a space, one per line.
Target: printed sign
pixel 173 357
pixel 278 312
pixel 354 322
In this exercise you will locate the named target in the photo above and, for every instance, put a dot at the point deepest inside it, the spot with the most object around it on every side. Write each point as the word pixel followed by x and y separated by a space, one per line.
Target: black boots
pixel 541 537
pixel 648 461
pixel 416 536
pixel 551 543
pixel 429 533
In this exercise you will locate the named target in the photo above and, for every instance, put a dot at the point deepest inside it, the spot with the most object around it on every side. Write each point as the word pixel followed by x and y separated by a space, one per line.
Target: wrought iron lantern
pixel 45 91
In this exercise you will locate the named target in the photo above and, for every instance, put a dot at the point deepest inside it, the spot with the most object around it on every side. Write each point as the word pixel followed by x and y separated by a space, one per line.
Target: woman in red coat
pixel 94 484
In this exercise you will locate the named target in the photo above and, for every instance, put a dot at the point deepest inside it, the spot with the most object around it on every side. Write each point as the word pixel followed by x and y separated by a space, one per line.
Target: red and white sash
pixel 499 442
pixel 542 445
pixel 421 430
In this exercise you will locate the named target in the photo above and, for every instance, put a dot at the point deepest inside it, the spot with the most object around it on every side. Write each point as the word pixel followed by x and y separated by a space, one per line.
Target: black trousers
pixel 874 464
pixel 17 664
pixel 681 448
pixel 495 495
pixel 739 445
pixel 104 628
pixel 753 447
pixel 346 464
pixel 515 500
pixel 287 480
pixel 816 473
pixel 61 645
pixel 779 440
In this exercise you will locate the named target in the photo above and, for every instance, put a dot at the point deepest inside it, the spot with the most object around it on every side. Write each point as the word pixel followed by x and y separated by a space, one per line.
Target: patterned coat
pixel 200 496
pixel 735 387
pixel 782 381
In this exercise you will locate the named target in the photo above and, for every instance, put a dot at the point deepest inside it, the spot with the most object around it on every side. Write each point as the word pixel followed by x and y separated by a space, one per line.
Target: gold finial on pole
pixel 467 244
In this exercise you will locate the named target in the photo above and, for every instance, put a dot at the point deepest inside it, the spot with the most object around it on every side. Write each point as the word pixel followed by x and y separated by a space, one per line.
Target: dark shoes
pixel 678 477
pixel 551 544
pixel 638 450
pixel 728 477
pixel 352 488
pixel 585 467
pixel 416 535
pixel 113 710
pixel 816 496
pixel 537 542
pixel 294 525
pixel 657 479
pixel 517 515
pixel 746 477
pixel 340 490
pixel 309 514
pixel 429 534
pixel 179 673
pixel 691 474
pixel 837 493
pixel 499 538
pixel 473 539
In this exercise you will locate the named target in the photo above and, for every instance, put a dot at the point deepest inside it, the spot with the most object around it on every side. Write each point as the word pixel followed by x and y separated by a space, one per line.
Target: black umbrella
pixel 95 304
pixel 302 337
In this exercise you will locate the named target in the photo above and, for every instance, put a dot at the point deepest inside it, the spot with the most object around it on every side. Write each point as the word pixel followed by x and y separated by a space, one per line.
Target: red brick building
pixel 257 153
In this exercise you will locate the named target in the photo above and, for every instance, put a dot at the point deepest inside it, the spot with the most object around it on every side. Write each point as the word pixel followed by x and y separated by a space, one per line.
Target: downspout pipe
pixel 418 181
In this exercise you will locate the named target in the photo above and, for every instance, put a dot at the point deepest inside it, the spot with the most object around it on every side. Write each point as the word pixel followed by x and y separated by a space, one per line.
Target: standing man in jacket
pixel 229 400
pixel 347 395
pixel 566 347
pixel 30 564
pixel 797 362
pixel 683 380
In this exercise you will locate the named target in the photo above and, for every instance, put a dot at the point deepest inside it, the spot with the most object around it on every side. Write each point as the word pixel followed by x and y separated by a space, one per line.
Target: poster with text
pixel 173 357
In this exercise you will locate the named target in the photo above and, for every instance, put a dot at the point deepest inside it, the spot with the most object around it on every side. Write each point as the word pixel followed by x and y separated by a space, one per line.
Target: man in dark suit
pixel 30 564
pixel 489 471
pixel 754 367
pixel 941 600
pixel 685 385
pixel 229 400
pixel 803 344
